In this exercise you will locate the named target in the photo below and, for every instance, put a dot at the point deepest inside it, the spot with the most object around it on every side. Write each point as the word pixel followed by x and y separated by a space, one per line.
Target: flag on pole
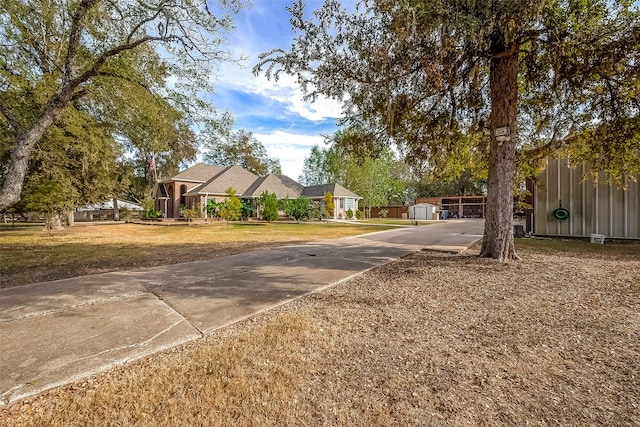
pixel 152 162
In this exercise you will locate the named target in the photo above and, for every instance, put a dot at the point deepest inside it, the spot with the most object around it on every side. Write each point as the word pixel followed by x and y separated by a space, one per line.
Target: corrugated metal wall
pixel 593 209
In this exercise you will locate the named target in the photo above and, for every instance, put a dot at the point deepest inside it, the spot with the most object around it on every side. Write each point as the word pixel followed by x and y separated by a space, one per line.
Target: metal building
pixel 566 202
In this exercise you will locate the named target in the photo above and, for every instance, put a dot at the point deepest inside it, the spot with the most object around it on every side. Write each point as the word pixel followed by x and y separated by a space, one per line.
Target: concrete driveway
pixel 53 333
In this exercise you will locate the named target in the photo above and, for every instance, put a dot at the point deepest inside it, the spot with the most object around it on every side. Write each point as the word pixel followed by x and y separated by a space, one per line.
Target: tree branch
pixel 11 118
pixel 74 37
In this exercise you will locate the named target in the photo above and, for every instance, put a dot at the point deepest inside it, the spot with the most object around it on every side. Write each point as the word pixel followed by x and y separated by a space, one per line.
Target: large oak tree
pixel 520 78
pixel 97 57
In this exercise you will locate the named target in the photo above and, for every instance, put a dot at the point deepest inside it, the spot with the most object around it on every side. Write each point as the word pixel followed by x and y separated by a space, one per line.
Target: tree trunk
pixel 24 143
pixel 498 229
pixel 116 210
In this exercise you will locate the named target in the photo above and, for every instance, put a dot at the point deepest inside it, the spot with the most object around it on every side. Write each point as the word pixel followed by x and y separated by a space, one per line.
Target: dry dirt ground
pixel 29 255
pixel 429 340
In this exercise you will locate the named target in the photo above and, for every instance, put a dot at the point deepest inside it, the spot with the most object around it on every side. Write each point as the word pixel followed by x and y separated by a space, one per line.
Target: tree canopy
pixel 241 148
pixel 105 65
pixel 505 81
pixel 378 178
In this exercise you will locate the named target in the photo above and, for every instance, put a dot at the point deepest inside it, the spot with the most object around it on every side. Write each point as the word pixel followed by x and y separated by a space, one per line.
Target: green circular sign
pixel 561 214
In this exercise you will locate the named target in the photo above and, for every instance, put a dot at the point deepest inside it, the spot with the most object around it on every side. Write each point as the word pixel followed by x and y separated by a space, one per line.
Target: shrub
pixel 213 209
pixel 299 208
pixel 314 210
pixel 383 213
pixel 328 205
pixel 246 208
pixel 359 214
pixel 349 213
pixel 269 206
pixel 192 212
pixel 231 207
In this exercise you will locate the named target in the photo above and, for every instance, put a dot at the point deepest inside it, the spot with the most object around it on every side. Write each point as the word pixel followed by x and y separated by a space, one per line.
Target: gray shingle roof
pixel 231 177
pixel 215 180
pixel 337 190
pixel 281 185
pixel 200 172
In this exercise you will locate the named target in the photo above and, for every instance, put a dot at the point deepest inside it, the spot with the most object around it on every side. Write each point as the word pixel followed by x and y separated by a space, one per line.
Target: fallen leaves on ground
pixel 428 340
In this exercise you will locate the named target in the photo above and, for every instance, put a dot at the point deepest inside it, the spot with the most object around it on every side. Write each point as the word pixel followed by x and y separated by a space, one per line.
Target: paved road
pixel 56 332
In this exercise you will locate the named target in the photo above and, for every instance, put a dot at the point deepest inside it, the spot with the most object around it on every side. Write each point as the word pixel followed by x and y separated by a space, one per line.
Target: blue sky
pixel 273 111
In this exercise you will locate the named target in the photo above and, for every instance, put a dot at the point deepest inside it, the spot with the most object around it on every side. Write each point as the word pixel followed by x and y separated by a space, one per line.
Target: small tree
pixel 349 213
pixel 269 206
pixel 299 208
pixel 359 214
pixel 232 207
pixel 329 206
pixel 49 199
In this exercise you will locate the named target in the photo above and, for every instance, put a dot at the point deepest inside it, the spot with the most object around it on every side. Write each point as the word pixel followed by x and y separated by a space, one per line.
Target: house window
pixel 348 204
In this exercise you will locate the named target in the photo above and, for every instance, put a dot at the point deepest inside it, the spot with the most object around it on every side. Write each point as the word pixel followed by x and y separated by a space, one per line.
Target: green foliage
pixel 49 199
pixel 438 186
pixel 285 205
pixel 299 208
pixel 320 167
pixel 359 215
pixel 152 214
pixel 192 213
pixel 79 154
pixel 328 205
pixel 383 213
pixel 498 82
pixel 247 208
pixel 231 209
pixel 349 213
pixel 214 209
pixel 577 75
pixel 82 79
pixel 147 203
pixel 376 175
pixel 227 148
pixel 269 206
pixel 314 210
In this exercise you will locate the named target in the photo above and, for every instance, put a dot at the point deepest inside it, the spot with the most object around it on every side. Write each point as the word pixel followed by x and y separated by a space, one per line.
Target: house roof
pixel 281 185
pixel 108 205
pixel 337 190
pixel 216 180
pixel 230 177
pixel 161 191
pixel 200 172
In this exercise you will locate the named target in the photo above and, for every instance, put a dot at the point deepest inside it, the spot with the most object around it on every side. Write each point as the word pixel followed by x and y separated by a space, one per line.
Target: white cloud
pixel 287 91
pixel 290 148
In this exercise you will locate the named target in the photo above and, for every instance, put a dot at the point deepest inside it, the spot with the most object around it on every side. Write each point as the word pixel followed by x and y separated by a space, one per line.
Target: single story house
pixel 343 199
pixel 567 202
pixel 104 210
pixel 200 183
